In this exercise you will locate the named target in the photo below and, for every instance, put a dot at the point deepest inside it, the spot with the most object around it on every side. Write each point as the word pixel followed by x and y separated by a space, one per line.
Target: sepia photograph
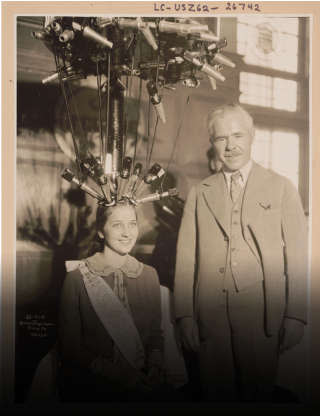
pixel 163 204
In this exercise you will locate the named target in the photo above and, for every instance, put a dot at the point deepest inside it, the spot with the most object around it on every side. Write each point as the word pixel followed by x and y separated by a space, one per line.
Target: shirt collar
pixel 245 170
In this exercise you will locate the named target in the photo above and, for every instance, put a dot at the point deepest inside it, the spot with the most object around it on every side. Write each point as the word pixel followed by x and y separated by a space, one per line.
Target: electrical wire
pixel 149 153
pixel 76 150
pixel 153 140
pixel 175 143
pixel 148 131
pixel 100 113
pixel 108 107
pixel 126 111
pixel 76 111
pixel 138 121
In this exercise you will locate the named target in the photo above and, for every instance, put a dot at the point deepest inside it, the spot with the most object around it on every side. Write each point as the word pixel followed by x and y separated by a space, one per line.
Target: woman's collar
pixel 98 264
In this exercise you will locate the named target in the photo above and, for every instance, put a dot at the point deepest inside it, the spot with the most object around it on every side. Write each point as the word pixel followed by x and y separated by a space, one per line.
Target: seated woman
pixel 110 337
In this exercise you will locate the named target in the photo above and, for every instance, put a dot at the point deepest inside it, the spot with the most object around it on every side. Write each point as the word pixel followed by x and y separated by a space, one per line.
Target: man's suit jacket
pixel 274 226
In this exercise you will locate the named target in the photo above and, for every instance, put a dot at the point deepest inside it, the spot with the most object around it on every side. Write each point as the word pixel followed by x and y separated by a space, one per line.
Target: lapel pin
pixel 265 206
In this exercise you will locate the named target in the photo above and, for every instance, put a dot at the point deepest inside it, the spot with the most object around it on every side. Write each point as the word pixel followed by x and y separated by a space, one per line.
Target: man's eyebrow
pixel 219 137
pixel 222 136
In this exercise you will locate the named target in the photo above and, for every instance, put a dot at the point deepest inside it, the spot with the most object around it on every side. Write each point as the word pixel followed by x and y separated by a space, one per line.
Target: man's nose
pixel 125 230
pixel 230 143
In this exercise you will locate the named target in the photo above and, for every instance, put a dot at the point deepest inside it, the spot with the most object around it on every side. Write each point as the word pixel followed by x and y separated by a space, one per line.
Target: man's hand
pixel 155 371
pixel 189 333
pixel 293 333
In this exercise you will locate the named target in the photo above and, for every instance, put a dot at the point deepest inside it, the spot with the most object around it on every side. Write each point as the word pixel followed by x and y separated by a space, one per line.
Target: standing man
pixel 241 270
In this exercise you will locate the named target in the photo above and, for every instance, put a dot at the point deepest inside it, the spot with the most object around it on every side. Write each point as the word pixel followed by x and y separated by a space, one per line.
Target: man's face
pixel 232 140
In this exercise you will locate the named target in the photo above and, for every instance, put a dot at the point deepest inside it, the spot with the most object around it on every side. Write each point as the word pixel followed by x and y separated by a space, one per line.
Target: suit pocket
pixel 266 229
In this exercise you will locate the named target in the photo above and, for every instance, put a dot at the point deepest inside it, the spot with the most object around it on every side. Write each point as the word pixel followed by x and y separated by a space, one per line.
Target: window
pixel 268 91
pixel 278 150
pixel 273 84
pixel 271 42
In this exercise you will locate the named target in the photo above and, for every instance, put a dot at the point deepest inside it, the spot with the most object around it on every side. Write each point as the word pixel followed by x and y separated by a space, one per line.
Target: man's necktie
pixel 235 188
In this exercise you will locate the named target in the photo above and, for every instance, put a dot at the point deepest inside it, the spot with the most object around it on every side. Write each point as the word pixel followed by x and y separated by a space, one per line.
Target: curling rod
pixel 218 45
pixel 156 100
pixel 204 67
pixel 70 177
pixel 205 36
pixel 223 60
pixel 124 175
pixel 56 27
pixel 213 83
pixel 139 24
pixel 181 28
pixel 155 172
pixel 41 35
pixel 95 170
pixel 104 21
pixel 66 71
pixel 66 36
pixel 109 189
pixel 157 196
pixel 92 34
pixel 128 191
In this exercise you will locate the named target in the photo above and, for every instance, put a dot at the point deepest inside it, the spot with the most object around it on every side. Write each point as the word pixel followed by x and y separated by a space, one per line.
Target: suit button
pixel 221 270
pixel 226 238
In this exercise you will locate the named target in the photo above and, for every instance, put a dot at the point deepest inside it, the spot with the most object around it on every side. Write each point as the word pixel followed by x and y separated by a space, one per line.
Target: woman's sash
pixel 114 317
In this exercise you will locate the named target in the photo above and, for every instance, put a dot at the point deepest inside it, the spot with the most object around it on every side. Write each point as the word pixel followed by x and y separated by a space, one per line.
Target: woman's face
pixel 121 229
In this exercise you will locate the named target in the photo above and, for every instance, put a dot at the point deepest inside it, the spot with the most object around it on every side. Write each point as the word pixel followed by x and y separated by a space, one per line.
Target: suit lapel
pixel 256 195
pixel 256 198
pixel 216 196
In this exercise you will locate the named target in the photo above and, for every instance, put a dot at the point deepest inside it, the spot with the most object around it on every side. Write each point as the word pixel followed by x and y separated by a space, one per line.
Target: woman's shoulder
pixel 72 265
pixel 73 270
pixel 150 273
pixel 149 269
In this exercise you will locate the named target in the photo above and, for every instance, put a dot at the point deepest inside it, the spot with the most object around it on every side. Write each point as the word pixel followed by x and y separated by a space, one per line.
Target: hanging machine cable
pixel 168 51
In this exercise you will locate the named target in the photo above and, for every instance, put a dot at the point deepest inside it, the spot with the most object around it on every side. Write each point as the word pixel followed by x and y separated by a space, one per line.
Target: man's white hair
pixel 220 110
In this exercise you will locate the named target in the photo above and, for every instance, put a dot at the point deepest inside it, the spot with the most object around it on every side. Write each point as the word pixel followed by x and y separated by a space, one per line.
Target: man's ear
pixel 253 133
pixel 100 234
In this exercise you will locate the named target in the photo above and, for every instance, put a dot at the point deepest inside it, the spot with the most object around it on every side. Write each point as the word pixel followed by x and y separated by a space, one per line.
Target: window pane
pixel 266 91
pixel 285 155
pixel 255 89
pixel 284 94
pixel 261 148
pixel 279 151
pixel 271 42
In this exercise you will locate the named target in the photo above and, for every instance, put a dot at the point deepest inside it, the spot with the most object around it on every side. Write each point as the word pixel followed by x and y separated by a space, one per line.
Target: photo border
pixel 9 12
